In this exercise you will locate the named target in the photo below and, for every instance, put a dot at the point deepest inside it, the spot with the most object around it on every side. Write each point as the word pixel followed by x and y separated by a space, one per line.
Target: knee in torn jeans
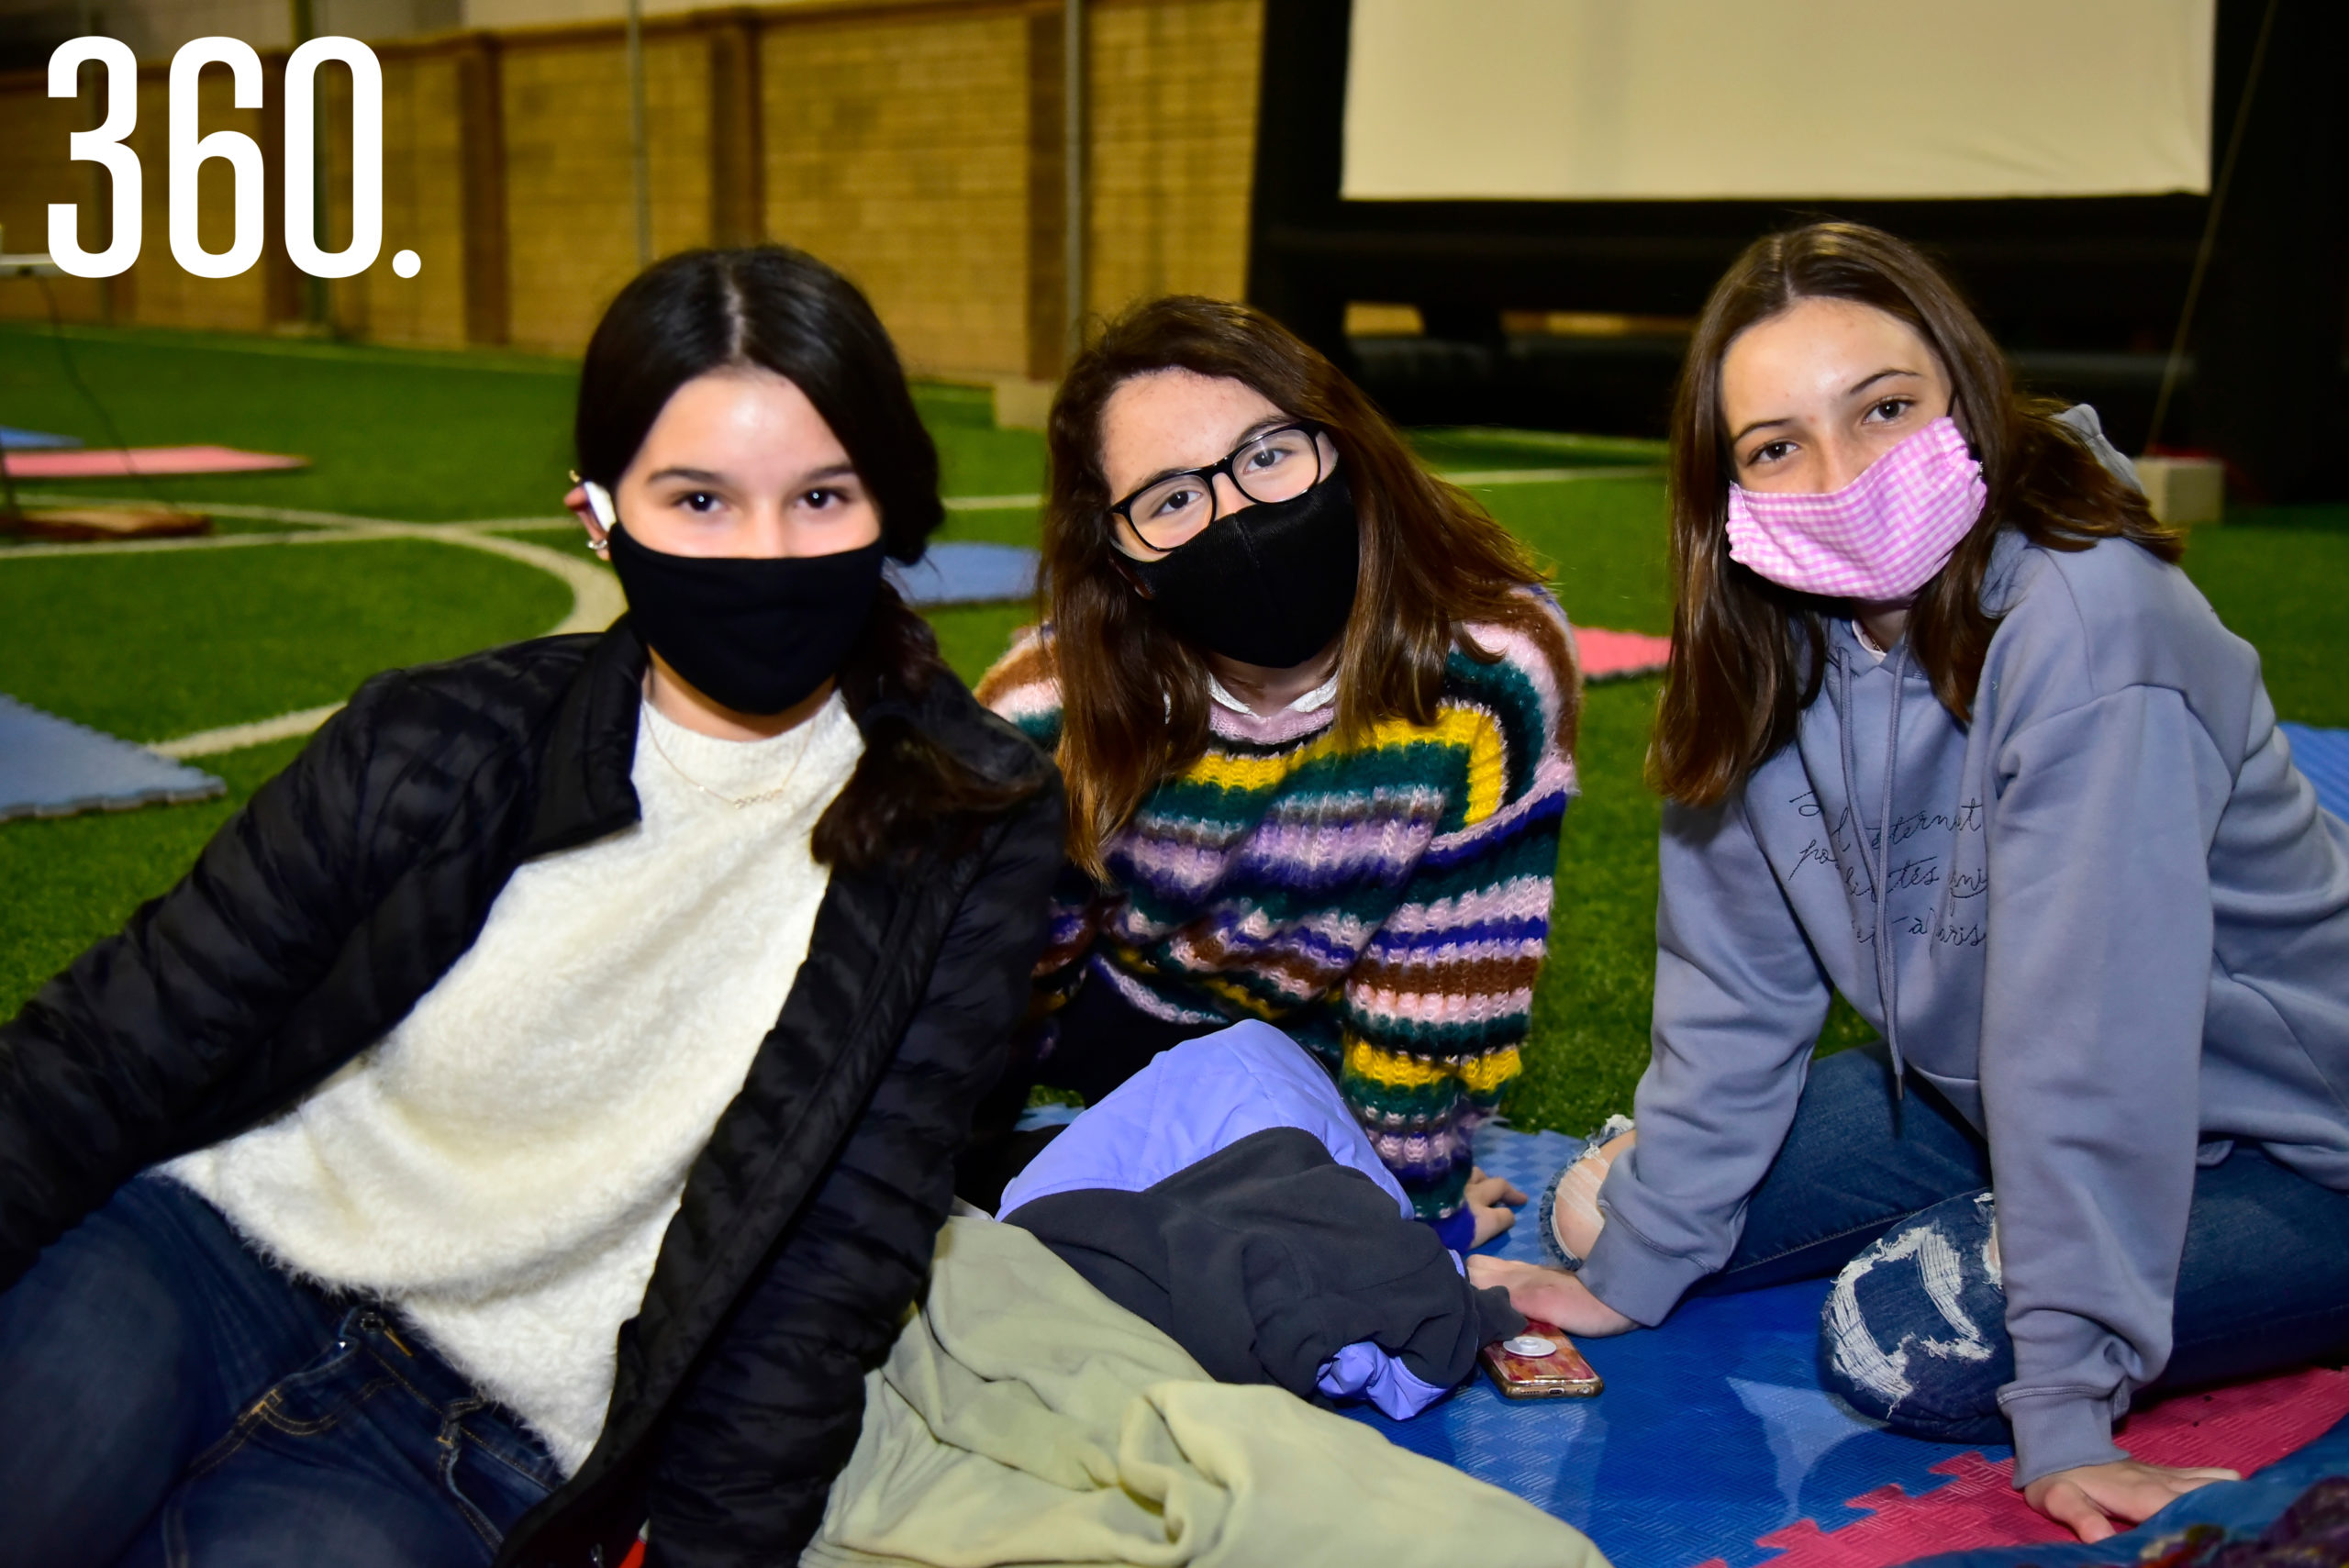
pixel 1572 1195
pixel 1914 1334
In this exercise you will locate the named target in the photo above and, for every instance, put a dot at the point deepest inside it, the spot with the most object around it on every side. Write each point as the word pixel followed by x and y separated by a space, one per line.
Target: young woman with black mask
pixel 1316 719
pixel 523 1126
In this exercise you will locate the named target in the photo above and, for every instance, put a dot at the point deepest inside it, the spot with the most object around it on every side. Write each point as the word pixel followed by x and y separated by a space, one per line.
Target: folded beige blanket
pixel 1025 1417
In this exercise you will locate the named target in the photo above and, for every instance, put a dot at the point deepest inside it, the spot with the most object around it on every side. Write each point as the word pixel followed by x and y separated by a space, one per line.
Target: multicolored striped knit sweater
pixel 1385 903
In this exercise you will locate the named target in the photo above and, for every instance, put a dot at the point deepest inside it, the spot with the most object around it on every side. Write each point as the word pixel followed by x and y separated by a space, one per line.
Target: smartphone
pixel 1541 1363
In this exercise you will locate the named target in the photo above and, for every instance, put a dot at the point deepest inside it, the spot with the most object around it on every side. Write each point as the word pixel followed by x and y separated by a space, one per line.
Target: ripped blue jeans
pixel 2264 1283
pixel 167 1397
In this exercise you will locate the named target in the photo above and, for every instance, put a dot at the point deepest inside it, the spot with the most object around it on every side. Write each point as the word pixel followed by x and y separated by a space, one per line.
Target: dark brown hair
pixel 1133 695
pixel 787 312
pixel 1748 655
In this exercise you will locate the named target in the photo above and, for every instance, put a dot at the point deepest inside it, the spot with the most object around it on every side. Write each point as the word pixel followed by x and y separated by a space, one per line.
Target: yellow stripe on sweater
pixel 1486 772
pixel 1456 726
pixel 1398 1071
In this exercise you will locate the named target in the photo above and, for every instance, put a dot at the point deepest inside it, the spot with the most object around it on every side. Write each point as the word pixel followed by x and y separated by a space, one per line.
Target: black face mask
pixel 1270 584
pixel 757 636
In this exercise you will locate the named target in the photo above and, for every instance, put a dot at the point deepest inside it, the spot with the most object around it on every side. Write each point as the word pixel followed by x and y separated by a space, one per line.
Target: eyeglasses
pixel 1279 465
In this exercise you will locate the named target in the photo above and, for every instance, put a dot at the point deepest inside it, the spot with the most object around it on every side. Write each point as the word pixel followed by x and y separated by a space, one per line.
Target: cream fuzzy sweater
pixel 502 1165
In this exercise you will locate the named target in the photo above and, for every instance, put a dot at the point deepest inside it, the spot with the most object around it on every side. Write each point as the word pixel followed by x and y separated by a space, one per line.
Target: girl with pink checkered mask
pixel 1948 733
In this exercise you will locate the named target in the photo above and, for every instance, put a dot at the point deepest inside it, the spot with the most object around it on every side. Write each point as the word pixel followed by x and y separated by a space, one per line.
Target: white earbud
pixel 600 502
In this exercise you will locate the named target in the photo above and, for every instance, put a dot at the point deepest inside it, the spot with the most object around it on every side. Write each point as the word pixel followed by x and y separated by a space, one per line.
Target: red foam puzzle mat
pixel 2247 1427
pixel 1617 655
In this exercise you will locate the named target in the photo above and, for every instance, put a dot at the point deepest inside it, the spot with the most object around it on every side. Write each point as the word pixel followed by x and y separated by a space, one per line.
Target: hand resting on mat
pixel 1552 1295
pixel 2096 1501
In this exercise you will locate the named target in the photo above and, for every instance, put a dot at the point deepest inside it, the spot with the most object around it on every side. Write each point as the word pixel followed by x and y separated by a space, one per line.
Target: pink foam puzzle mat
pixel 1714 1445
pixel 1619 655
pixel 120 463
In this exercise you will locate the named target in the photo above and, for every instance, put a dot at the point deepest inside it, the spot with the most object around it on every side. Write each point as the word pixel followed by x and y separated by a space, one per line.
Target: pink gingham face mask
pixel 1881 538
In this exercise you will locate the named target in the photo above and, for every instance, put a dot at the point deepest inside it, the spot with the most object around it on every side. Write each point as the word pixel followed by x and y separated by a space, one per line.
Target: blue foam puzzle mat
pixel 1712 1432
pixel 2322 757
pixel 16 440
pixel 1036 1116
pixel 968 573
pixel 54 767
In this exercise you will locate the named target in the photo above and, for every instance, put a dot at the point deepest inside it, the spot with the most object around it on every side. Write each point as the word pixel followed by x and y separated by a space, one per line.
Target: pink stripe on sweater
pixel 1438 1008
pixel 1519 898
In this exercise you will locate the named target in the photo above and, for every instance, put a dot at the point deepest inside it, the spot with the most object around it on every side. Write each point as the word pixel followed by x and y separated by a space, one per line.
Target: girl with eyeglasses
pixel 536 1110
pixel 1316 716
pixel 1948 732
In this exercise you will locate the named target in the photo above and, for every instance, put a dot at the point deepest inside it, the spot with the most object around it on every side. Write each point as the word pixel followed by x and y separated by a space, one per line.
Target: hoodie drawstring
pixel 1876 855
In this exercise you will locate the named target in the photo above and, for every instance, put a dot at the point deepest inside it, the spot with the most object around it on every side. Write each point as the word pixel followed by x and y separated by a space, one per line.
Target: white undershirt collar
pixel 1319 697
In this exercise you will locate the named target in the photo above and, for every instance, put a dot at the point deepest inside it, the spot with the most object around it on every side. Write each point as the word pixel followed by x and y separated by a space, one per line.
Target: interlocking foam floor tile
pixel 16 440
pixel 117 462
pixel 54 767
pixel 1714 1444
pixel 1617 655
pixel 2248 1427
pixel 2322 756
pixel 968 573
pixel 2241 1508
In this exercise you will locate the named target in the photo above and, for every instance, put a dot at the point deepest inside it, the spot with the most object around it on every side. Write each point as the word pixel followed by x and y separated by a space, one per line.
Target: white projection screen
pixel 1705 100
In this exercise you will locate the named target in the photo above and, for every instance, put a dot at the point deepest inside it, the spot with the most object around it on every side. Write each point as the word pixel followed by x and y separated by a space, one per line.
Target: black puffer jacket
pixel 354 880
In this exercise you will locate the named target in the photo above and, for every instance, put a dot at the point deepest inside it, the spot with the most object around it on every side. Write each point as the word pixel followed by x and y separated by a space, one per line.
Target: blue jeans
pixel 167 1397
pixel 2264 1283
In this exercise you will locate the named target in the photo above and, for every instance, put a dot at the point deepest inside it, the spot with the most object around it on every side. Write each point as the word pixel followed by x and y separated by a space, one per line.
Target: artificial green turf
pixel 972 637
pixel 75 879
pixel 151 646
pixel 1468 449
pixel 2279 577
pixel 415 435
pixel 1601 540
pixel 996 525
pixel 974 457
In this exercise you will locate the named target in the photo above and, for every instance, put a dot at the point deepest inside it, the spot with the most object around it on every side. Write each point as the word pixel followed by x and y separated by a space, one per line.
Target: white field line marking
pixel 236 737
pixel 95 547
pixel 596 598
pixel 991 503
pixel 1551 475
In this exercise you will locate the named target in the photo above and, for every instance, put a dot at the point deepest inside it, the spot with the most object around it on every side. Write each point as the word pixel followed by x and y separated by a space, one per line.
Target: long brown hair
pixel 1748 655
pixel 1134 696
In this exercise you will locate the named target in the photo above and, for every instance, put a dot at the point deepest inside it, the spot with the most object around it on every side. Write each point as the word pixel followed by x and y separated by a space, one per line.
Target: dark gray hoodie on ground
pixel 2118 932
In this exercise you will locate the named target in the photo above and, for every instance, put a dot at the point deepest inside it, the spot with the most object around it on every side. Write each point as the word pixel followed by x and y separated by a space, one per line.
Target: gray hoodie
pixel 2118 933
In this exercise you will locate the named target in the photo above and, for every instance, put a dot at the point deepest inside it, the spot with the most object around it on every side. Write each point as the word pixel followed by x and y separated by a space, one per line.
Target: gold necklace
pixel 652 729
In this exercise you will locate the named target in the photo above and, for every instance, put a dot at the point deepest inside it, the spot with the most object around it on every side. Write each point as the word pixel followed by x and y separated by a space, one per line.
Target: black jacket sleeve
pixel 772 1414
pixel 146 1046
